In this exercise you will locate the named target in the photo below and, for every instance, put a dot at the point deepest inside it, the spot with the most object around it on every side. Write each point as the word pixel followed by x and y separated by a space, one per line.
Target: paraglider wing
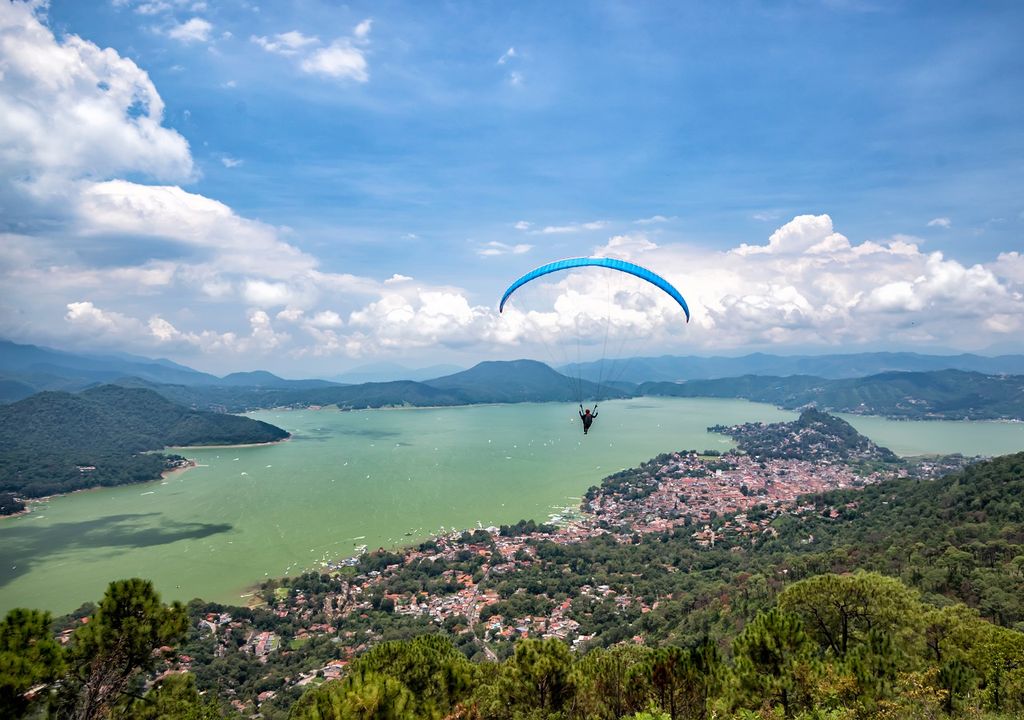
pixel 613 263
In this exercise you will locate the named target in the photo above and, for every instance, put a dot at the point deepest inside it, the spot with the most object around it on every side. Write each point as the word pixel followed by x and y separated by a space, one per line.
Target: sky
pixel 311 186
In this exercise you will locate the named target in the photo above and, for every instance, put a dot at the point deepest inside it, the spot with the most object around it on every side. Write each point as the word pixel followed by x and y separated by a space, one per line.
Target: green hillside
pixel 55 442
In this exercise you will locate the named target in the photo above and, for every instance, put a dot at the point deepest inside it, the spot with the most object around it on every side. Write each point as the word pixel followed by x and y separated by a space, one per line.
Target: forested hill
pixel 814 436
pixel 55 441
pixel 943 394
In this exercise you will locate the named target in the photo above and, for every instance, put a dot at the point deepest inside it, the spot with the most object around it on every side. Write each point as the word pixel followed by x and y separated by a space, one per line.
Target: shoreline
pixel 225 447
pixel 180 470
pixel 164 475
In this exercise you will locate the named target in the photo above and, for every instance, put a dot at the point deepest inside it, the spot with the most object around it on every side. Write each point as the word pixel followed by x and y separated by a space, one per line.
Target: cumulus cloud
pixel 193 30
pixel 507 55
pixel 522 225
pixel 811 285
pixel 499 248
pixel 341 60
pixel 71 110
pixel 942 222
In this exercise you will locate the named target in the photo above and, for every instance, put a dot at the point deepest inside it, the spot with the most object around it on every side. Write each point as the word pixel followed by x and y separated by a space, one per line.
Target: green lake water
pixel 376 478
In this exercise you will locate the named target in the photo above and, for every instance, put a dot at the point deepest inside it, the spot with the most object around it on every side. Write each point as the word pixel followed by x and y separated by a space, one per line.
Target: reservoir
pixel 374 478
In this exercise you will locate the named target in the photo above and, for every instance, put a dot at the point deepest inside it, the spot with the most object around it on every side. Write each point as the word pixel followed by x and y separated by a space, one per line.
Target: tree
pixel 536 682
pixel 120 640
pixel 29 656
pixel 435 673
pixel 839 610
pixel 682 680
pixel 175 697
pixel 774 657
pixel 614 682
pixel 362 695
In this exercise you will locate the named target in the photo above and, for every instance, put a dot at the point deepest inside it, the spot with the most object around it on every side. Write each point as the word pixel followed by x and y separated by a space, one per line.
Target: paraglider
pixel 587 417
pixel 614 264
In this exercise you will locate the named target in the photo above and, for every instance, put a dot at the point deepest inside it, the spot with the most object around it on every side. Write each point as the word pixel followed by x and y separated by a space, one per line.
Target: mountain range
pixel 947 393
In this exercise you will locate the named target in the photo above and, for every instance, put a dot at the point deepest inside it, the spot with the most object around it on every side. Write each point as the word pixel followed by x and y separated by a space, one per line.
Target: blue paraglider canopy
pixel 613 263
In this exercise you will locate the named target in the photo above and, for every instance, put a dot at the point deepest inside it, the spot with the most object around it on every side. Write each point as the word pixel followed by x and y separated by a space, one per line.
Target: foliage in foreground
pixel 839 647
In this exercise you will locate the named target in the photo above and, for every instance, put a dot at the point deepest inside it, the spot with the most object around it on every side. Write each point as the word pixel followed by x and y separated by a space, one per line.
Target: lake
pixel 380 478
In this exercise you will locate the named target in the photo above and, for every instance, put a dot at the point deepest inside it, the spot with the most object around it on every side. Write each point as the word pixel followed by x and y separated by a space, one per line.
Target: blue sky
pixel 328 185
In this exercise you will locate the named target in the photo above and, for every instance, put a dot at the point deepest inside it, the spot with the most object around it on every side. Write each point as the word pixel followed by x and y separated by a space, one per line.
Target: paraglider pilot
pixel 587 418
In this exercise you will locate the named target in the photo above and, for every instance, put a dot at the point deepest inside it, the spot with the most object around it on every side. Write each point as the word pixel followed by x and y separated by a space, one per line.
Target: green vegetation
pixel 942 394
pixel 100 673
pixel 56 442
pixel 9 505
pixel 814 436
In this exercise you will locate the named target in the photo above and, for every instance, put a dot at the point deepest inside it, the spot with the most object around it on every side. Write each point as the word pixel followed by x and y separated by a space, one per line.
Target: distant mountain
pixel 520 381
pixel 488 382
pixel 678 368
pixel 264 379
pixel 386 372
pixel 57 441
pixel 27 369
pixel 41 368
pixel 943 394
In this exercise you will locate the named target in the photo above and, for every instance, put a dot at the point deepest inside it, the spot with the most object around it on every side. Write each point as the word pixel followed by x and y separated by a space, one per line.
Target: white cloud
pixel 287 43
pixel 522 225
pixel 341 59
pixel 653 220
pixel 765 216
pixel 192 30
pixel 516 78
pixel 153 8
pixel 397 278
pixel 424 318
pixel 70 110
pixel 573 227
pixel 942 222
pixel 507 55
pixel 345 58
pixel 500 248
pixel 88 318
pixel 230 162
pixel 122 208
pixel 326 319
pixel 230 84
pixel 362 30
pixel 803 233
